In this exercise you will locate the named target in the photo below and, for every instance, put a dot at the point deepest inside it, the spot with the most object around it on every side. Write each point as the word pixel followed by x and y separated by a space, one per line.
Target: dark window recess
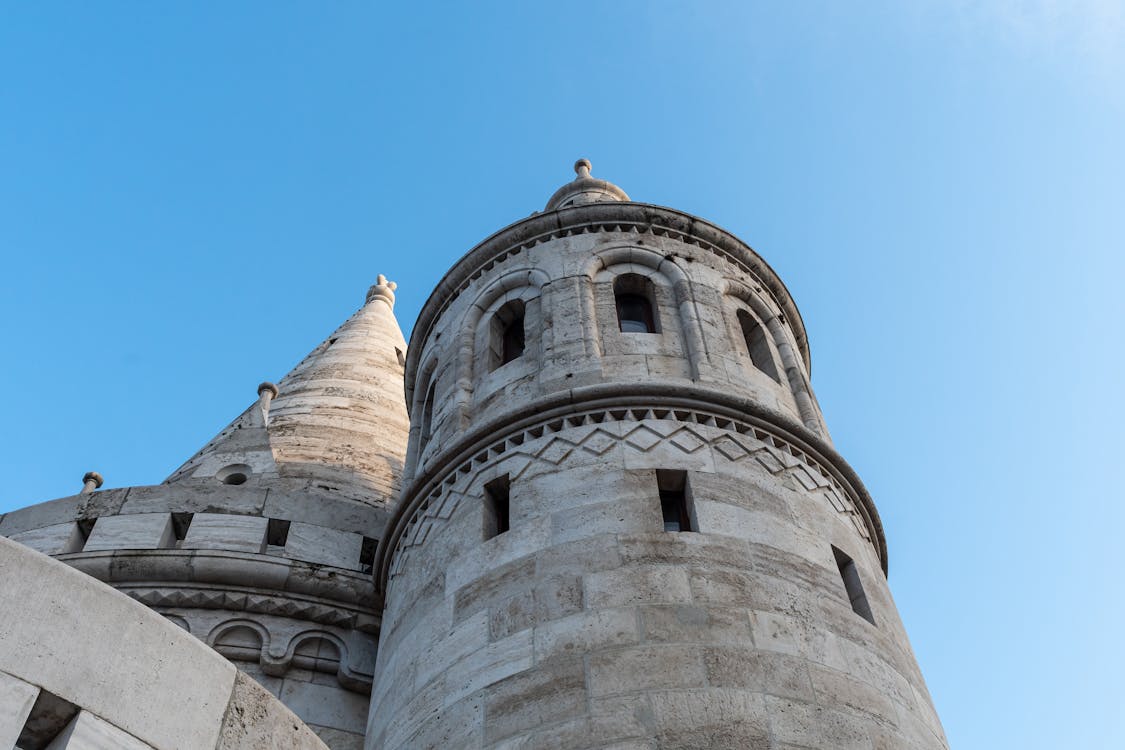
pixel 180 524
pixel 427 416
pixel 48 718
pixel 401 358
pixel 367 554
pixel 277 532
pixel 633 295
pixel 674 500
pixel 507 337
pixel 757 345
pixel 853 586
pixel 496 517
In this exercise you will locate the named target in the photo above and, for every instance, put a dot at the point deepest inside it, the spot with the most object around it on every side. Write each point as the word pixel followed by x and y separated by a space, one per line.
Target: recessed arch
pixel 644 261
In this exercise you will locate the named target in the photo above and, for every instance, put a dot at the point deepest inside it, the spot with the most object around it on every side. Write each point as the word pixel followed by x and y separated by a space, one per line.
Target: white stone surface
pixel 51 540
pixel 226 532
pixel 16 699
pixel 320 544
pixel 137 531
pixel 88 732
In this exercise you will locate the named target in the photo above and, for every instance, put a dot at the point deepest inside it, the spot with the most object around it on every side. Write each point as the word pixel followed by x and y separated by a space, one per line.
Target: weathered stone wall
pixel 586 624
pixel 95 669
pixel 299 617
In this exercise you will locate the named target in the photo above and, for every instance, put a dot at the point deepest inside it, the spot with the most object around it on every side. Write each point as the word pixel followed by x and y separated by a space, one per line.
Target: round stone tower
pixel 622 522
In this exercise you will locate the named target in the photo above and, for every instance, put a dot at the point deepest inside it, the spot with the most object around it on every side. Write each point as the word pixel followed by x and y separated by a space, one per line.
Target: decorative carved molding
pixel 294 607
pixel 637 429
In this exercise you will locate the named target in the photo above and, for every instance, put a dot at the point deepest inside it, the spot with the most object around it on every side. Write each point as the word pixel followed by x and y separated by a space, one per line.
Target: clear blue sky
pixel 193 195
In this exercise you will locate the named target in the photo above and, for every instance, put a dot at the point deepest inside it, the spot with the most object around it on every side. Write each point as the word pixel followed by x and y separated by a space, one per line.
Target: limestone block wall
pixel 538 594
pixel 275 579
pixel 107 672
pixel 587 625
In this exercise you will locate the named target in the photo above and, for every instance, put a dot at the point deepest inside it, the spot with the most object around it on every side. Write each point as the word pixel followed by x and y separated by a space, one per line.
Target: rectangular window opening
pixel 852 585
pixel 496 495
pixel 277 532
pixel 675 502
pixel 367 554
pixel 180 524
pixel 49 716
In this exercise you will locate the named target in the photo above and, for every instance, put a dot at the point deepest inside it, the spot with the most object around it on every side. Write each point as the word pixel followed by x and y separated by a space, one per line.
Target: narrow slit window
pixel 496 504
pixel 367 554
pixel 633 295
pixel 428 415
pixel 757 344
pixel 853 586
pixel 507 336
pixel 674 501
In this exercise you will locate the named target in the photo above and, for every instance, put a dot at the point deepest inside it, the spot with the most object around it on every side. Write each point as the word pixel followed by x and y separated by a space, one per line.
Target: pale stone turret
pixel 336 422
pixel 622 522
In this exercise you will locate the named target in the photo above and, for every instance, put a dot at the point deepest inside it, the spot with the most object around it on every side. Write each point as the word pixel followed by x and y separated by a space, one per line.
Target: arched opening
pixel 506 334
pixel 634 295
pixel 757 344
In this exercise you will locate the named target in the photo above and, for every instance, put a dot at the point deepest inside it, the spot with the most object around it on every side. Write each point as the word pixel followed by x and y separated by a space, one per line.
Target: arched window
pixel 634 296
pixel 757 344
pixel 427 417
pixel 506 334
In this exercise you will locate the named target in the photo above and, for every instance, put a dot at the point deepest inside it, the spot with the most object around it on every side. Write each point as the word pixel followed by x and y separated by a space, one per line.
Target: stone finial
pixel 584 189
pixel 383 290
pixel 267 387
pixel 92 481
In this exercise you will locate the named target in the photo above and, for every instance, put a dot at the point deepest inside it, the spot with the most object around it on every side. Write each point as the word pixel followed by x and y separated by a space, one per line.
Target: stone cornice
pixel 222 579
pixel 550 413
pixel 598 217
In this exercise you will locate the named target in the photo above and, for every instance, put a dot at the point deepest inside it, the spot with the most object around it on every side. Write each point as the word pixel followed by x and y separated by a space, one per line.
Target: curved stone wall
pixel 583 623
pixel 298 616
pixel 90 668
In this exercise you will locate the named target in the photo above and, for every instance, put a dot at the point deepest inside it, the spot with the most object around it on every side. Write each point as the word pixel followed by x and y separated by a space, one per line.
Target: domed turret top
pixel 584 189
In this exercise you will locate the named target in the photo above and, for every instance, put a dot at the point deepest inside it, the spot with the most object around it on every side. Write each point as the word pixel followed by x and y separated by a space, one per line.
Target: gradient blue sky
pixel 193 195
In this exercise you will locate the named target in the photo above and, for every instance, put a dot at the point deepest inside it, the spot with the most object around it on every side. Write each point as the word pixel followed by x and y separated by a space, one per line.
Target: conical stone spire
pixel 337 422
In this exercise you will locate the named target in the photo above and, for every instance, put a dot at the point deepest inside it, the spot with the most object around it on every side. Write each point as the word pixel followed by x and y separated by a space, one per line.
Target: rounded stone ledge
pixel 154 681
pixel 234 580
pixel 597 217
pixel 621 397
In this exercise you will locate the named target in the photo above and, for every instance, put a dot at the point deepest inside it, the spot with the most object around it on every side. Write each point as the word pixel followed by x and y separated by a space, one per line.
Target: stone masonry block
pixel 551 692
pixel 646 668
pixel 52 540
pixel 652 584
pixel 137 531
pixel 318 544
pixel 220 531
pixel 88 732
pixel 16 699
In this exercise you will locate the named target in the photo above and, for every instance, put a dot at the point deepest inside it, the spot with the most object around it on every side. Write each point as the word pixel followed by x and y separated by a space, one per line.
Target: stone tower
pixel 623 523
pixel 261 544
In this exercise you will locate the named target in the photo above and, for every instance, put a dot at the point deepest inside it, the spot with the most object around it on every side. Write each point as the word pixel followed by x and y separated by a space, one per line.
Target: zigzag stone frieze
pixel 595 433
pixel 244 601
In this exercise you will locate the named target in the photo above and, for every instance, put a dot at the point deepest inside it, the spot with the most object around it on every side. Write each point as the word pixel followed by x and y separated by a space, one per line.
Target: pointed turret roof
pixel 337 422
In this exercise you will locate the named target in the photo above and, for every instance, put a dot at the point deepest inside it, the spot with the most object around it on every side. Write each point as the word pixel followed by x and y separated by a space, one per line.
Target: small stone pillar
pixel 92 481
pixel 267 392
